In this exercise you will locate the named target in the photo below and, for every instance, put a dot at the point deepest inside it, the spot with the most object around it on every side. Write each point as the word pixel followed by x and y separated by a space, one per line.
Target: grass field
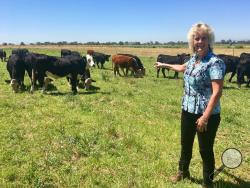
pixel 125 134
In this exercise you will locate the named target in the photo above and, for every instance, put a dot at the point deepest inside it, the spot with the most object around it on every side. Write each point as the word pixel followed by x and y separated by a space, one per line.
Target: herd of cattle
pixel 43 68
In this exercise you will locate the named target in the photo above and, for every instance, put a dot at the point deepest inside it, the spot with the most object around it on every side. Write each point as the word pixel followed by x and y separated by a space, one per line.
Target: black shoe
pixel 181 175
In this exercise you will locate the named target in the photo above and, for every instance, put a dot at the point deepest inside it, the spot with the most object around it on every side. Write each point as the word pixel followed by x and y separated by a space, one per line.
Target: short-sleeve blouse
pixel 197 83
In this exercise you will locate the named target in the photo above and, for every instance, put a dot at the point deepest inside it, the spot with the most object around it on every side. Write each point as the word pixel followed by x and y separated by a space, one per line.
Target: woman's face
pixel 201 43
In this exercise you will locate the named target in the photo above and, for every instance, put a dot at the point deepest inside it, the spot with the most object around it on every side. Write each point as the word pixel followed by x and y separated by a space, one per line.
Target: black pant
pixel 206 142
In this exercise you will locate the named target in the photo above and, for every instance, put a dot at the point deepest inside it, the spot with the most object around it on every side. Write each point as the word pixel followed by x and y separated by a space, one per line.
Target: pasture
pixel 123 133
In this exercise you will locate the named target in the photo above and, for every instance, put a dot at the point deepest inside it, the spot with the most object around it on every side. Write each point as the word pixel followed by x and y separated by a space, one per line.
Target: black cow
pixel 179 59
pixel 244 58
pixel 17 64
pixel 86 79
pixel 138 62
pixel 65 52
pixel 100 58
pixel 2 55
pixel 231 63
pixel 243 69
pixel 20 51
pixel 16 68
pixel 56 67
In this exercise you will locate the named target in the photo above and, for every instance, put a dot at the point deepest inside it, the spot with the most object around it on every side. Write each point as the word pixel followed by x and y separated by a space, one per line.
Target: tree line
pixel 127 43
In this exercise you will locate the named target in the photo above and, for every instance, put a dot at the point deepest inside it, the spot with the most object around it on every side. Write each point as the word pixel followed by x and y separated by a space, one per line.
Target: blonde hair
pixel 200 27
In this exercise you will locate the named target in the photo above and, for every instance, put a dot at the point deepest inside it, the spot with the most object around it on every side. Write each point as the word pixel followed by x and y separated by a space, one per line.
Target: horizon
pixel 226 42
pixel 141 21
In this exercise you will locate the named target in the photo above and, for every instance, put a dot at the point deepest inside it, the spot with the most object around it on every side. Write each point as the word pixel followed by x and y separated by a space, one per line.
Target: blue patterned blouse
pixel 197 83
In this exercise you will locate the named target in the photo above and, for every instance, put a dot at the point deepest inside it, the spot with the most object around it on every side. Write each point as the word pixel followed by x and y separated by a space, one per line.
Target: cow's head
pixel 90 52
pixel 17 72
pixel 14 84
pixel 143 70
pixel 136 68
pixel 87 83
pixel 90 60
pixel 184 57
pixel 107 57
pixel 138 73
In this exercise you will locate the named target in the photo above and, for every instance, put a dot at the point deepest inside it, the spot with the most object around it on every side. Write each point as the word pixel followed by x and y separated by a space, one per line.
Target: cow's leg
pixel 123 71
pixel 248 81
pixel 133 72
pixel 73 80
pixel 22 74
pixel 115 70
pixel 102 65
pixel 40 78
pixel 126 73
pixel 176 75
pixel 240 77
pixel 33 80
pixel 46 83
pixel 68 80
pixel 232 75
pixel 118 71
pixel 87 73
pixel 158 71
pixel 163 72
pixel 22 85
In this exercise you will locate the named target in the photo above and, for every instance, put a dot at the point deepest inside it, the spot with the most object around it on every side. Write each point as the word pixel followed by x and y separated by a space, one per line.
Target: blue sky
pixel 120 20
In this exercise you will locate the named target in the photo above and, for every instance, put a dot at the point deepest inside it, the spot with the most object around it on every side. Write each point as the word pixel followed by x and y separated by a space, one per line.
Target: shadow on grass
pixel 171 77
pixel 230 87
pixel 240 182
pixel 90 91
pixel 106 69
pixel 7 81
pixel 94 92
pixel 57 93
pixel 52 90
pixel 225 184
pixel 91 87
pixel 236 87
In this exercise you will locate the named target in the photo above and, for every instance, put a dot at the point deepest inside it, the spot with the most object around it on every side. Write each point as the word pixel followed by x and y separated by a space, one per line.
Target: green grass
pixel 126 134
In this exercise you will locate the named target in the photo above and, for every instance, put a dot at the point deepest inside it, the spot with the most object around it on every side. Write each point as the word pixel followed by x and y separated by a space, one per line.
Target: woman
pixel 203 83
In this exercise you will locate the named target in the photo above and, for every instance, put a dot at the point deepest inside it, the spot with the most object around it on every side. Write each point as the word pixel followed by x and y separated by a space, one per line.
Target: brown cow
pixel 129 63
pixel 90 52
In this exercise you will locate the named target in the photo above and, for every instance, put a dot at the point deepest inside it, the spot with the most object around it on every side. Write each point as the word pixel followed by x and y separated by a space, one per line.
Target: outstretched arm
pixel 175 67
